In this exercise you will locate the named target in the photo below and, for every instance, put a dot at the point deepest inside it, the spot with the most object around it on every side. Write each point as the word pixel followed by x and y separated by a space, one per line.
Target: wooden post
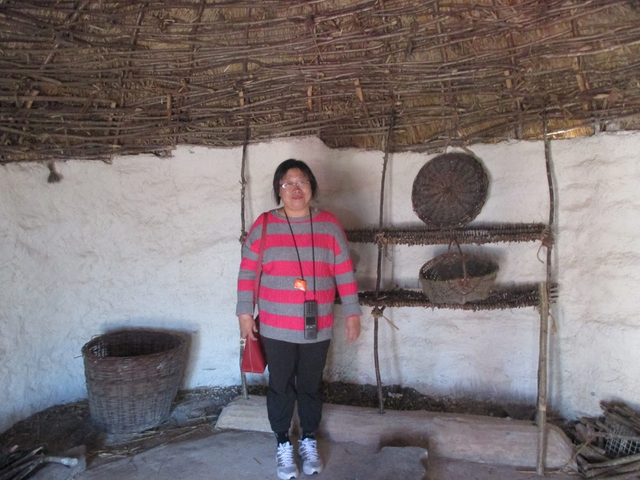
pixel 379 268
pixel 543 295
pixel 377 363
pixel 243 235
pixel 541 417
pixel 243 187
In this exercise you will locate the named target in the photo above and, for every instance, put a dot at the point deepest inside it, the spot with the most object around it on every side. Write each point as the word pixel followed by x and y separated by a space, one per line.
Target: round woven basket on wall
pixel 132 378
pixel 450 190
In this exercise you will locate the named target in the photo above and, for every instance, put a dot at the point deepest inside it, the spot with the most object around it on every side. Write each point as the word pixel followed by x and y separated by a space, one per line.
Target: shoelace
pixel 309 449
pixel 285 454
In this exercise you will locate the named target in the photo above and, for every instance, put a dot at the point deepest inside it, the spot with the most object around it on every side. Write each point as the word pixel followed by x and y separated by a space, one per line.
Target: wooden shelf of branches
pixel 514 297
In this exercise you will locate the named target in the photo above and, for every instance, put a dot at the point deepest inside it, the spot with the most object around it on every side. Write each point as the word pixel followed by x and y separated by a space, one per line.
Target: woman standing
pixel 306 258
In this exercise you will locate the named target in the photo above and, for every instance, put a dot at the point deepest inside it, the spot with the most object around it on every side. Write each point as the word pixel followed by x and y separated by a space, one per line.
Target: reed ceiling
pixel 93 78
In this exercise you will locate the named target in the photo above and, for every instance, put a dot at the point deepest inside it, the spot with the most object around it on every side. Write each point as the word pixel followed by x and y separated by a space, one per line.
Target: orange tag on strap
pixel 300 284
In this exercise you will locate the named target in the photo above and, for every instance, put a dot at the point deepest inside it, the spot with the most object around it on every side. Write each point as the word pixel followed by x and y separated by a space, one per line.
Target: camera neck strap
pixel 295 244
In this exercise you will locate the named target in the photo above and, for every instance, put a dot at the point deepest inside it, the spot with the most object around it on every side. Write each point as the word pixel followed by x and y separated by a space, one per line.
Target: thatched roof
pixel 93 78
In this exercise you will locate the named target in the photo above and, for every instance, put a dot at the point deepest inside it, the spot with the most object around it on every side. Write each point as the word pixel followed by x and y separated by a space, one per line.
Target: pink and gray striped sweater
pixel 280 305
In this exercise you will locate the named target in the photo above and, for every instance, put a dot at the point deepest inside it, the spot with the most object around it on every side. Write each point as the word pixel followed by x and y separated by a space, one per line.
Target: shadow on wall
pixel 340 187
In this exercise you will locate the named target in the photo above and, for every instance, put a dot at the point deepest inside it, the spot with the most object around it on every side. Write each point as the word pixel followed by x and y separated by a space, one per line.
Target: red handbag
pixel 253 358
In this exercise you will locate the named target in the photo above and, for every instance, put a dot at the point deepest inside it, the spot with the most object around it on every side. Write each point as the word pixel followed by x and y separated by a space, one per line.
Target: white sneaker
pixel 311 462
pixel 287 468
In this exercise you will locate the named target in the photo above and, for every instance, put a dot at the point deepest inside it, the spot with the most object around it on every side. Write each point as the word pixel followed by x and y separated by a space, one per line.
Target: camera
pixel 310 320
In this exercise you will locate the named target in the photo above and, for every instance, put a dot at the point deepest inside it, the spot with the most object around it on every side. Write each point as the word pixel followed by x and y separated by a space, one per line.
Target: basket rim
pixel 493 265
pixel 88 354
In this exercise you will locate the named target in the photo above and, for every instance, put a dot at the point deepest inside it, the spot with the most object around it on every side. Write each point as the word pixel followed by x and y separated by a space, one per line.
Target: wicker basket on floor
pixel 132 378
pixel 458 278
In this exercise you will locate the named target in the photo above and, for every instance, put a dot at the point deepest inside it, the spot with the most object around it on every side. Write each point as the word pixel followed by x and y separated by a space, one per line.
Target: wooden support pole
pixel 543 294
pixel 376 358
pixel 552 198
pixel 243 235
pixel 379 267
pixel 243 191
pixel 541 417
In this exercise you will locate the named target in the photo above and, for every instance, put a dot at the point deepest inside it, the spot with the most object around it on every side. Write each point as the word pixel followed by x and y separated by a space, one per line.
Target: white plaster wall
pixel 598 340
pixel 153 242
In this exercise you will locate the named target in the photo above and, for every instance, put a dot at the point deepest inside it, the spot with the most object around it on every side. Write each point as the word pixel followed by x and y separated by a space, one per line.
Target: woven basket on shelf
pixel 132 378
pixel 450 190
pixel 458 278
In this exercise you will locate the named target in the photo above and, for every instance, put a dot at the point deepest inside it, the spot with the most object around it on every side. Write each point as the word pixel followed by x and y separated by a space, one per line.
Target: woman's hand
pixel 352 328
pixel 248 326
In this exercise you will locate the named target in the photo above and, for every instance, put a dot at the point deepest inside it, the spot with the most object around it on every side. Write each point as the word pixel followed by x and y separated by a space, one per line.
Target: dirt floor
pixel 194 414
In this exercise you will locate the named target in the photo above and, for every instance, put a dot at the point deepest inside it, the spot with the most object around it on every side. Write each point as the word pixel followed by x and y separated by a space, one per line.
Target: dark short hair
pixel 282 170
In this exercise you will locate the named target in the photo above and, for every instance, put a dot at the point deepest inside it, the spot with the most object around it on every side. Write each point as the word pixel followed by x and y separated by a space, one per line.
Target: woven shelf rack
pixel 478 234
pixel 515 297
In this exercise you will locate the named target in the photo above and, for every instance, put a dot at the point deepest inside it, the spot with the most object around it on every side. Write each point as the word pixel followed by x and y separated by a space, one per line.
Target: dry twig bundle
pixel 18 464
pixel 610 446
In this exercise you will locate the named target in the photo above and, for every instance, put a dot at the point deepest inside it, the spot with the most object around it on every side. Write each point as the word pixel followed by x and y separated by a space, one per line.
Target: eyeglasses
pixel 292 185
